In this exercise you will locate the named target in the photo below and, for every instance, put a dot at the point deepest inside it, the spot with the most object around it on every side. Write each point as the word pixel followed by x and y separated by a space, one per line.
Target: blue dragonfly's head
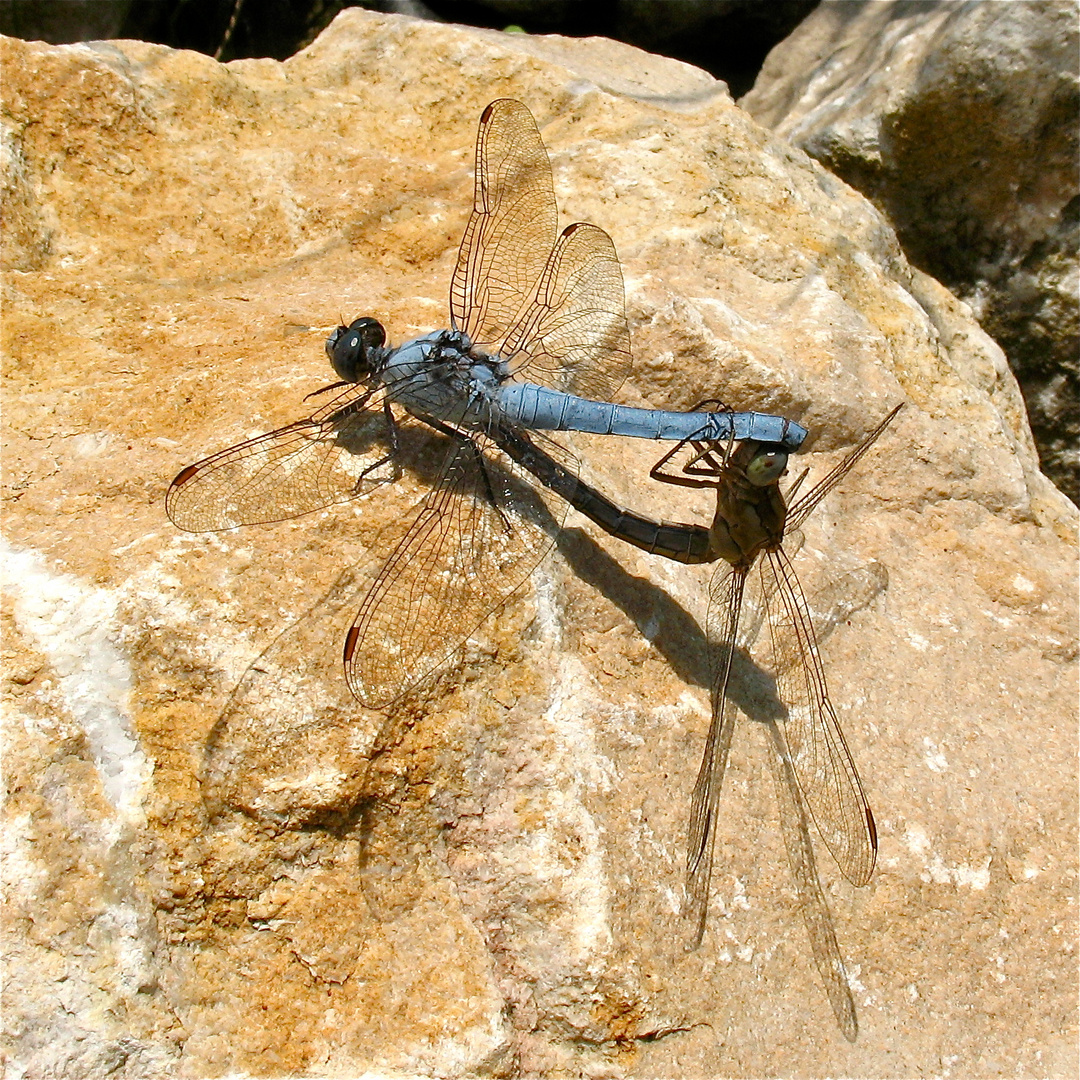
pixel 356 350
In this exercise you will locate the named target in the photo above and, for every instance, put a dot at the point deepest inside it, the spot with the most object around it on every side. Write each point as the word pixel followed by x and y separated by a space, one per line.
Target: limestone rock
pixel 960 122
pixel 217 863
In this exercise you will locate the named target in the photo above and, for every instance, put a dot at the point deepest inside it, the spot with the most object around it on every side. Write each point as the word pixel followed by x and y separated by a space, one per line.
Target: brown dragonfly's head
pixel 356 350
pixel 762 464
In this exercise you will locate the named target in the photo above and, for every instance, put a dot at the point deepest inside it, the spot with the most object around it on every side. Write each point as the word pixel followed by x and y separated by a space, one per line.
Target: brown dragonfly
pixel 816 775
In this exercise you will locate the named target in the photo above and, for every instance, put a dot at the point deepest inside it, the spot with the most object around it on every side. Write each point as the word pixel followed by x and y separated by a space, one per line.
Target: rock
pixel 960 122
pixel 217 863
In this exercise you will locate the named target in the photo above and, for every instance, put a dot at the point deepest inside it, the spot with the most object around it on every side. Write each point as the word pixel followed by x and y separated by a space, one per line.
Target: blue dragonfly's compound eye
pixel 766 467
pixel 351 348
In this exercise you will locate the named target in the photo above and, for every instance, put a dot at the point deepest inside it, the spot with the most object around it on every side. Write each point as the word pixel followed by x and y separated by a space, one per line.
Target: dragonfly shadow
pixel 259 741
pixel 289 718
pixel 753 690
pixel 670 628
pixel 420 451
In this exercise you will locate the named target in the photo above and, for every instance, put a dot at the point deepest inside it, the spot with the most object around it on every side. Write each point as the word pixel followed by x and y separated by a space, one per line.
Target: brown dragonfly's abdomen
pixel 674 540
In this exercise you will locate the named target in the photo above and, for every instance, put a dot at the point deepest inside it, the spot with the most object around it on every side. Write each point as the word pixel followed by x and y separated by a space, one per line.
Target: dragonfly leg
pixel 685 477
pixel 707 453
pixel 711 404
pixel 392 456
pixel 489 490
pixel 326 389
pixel 706 450
pixel 657 472
pixel 481 462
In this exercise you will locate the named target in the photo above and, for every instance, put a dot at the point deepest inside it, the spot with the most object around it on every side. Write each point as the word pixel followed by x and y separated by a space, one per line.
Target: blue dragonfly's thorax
pixel 443 376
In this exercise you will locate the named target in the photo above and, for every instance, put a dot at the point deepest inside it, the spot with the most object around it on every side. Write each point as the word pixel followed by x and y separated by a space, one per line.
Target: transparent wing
pixel 475 539
pixel 289 714
pixel 802 507
pixel 819 755
pixel 575 337
pixel 332 456
pixel 815 910
pixel 511 231
pixel 722 627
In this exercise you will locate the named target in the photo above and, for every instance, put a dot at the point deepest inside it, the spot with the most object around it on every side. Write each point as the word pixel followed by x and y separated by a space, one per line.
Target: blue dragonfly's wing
pixel 511 231
pixel 574 337
pixel 555 310
pixel 338 452
pixel 820 757
pixel 722 631
pixel 473 541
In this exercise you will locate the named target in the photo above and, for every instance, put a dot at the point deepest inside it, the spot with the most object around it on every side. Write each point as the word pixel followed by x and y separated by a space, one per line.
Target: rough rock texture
pixel 183 890
pixel 959 120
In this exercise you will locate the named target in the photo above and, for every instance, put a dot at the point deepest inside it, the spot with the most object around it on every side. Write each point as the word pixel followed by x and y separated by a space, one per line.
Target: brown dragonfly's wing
pixel 812 903
pixel 335 454
pixel 722 629
pixel 819 754
pixel 473 542
pixel 574 337
pixel 511 231
pixel 801 509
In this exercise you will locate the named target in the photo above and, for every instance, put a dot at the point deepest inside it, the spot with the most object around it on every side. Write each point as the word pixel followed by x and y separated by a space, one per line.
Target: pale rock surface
pixel 959 120
pixel 183 891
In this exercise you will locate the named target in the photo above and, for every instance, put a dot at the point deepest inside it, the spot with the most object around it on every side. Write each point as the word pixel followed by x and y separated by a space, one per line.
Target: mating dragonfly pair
pixel 539 343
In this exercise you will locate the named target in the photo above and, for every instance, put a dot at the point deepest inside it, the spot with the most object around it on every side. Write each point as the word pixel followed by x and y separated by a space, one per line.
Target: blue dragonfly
pixel 538 342
pixel 816 777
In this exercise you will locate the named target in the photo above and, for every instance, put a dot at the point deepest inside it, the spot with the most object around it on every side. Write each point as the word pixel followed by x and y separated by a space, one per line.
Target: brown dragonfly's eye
pixel 766 467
